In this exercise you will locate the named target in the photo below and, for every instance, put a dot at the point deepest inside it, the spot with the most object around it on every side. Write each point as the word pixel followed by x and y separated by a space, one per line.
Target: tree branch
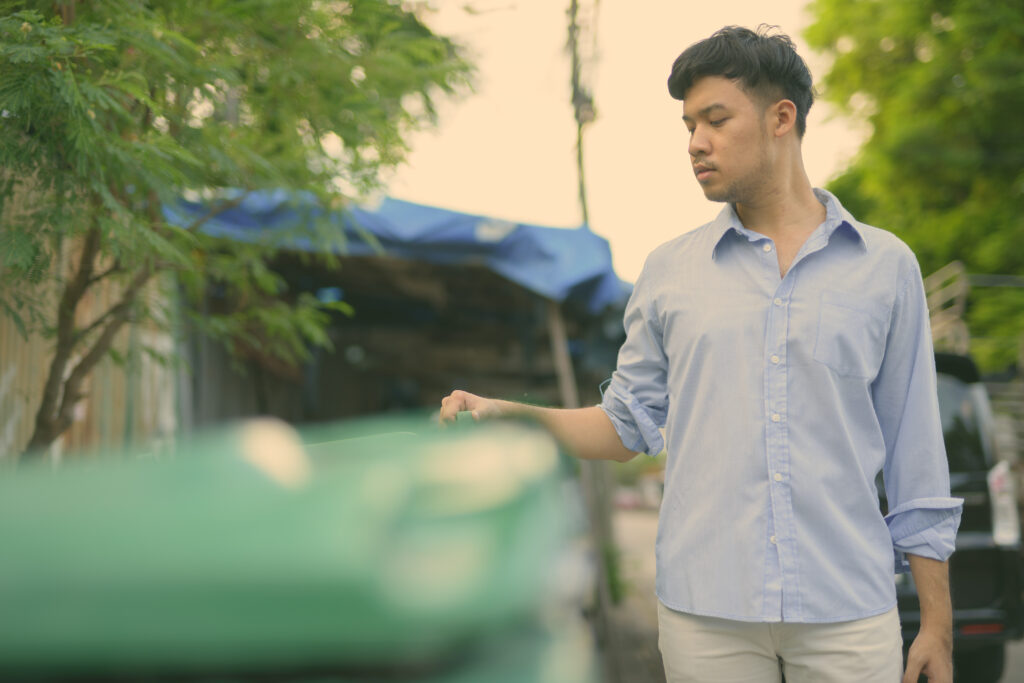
pixel 117 316
pixel 74 289
pixel 116 268
pixel 216 211
pixel 67 12
pixel 107 315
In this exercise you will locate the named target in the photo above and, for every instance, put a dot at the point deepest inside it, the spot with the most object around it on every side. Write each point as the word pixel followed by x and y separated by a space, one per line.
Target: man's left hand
pixel 930 655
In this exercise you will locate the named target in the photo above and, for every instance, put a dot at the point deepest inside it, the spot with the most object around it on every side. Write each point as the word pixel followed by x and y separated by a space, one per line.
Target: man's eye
pixel 718 122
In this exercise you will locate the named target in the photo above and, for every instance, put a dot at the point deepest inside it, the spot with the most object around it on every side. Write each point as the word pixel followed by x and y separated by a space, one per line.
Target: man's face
pixel 729 139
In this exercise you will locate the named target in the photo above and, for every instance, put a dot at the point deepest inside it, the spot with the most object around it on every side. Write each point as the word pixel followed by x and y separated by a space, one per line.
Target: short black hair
pixel 764 62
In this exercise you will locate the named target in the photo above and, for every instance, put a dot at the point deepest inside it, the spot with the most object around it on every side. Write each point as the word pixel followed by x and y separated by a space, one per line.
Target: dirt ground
pixel 633 623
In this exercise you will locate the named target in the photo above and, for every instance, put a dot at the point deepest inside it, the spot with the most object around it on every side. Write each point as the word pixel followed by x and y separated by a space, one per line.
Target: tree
pixel 111 110
pixel 942 85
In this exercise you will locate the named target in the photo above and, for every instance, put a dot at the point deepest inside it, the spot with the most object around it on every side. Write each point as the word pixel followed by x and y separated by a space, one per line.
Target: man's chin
pixel 715 194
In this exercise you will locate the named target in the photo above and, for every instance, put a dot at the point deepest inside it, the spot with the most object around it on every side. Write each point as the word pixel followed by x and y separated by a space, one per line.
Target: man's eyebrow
pixel 705 111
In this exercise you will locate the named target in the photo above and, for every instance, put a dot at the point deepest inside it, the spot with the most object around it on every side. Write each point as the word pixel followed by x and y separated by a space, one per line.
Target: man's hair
pixel 764 62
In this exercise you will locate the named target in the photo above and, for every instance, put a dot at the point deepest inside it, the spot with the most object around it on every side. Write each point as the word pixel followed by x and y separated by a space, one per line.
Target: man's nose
pixel 698 145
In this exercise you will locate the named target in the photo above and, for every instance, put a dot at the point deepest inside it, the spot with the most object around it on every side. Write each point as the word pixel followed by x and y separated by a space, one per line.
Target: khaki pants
pixel 710 650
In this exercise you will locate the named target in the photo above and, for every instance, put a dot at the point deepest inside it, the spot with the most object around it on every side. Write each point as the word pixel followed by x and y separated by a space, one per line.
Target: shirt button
pixel 773 540
pixel 776 417
pixel 775 359
pixel 778 301
pixel 767 247
pixel 778 477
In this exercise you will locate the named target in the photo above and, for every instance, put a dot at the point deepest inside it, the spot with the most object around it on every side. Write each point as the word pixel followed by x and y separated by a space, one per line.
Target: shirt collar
pixel 836 217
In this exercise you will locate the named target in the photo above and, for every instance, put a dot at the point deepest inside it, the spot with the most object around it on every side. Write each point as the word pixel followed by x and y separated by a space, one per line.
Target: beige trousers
pixel 710 650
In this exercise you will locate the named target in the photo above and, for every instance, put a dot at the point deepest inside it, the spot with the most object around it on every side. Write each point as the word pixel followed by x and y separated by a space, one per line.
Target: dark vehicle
pixel 986 569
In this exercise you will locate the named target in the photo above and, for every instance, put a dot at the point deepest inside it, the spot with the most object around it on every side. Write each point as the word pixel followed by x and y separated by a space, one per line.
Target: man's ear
pixel 782 117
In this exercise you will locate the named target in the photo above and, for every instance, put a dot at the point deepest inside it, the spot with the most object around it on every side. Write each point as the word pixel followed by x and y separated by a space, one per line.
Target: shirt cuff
pixel 633 423
pixel 925 527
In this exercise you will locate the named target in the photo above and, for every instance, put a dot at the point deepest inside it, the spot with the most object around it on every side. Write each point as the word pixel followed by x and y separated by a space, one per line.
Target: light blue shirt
pixel 782 399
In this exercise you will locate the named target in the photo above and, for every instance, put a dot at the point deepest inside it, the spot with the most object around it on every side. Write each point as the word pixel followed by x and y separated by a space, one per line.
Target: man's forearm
pixel 586 432
pixel 932 580
pixel 931 653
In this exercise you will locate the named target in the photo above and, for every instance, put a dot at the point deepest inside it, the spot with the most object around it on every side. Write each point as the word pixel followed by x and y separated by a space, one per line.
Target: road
pixel 634 621
pixel 1014 663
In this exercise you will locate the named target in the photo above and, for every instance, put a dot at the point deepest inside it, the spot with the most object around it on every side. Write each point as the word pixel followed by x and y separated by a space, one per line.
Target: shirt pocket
pixel 851 335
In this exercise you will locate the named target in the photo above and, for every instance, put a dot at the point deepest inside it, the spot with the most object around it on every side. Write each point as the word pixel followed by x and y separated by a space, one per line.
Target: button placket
pixel 776 404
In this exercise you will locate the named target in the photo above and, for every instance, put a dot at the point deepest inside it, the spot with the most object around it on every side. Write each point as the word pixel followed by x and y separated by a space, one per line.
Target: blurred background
pixel 327 210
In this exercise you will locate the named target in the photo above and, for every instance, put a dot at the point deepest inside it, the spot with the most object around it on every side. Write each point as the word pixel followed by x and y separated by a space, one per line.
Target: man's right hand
pixel 481 408
pixel 586 432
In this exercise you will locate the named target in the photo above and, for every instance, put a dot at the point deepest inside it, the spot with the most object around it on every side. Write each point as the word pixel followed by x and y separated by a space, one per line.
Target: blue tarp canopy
pixel 572 265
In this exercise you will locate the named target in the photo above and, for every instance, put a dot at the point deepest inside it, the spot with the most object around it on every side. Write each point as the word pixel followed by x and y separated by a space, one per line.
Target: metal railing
pixel 946 290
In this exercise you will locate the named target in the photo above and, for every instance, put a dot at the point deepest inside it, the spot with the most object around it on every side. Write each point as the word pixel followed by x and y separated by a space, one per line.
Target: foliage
pixel 942 84
pixel 110 110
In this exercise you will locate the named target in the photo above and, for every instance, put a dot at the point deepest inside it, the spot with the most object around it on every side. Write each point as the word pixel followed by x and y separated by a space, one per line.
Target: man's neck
pixel 783 213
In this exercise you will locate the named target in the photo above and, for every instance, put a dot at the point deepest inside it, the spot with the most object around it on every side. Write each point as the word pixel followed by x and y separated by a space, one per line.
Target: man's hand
pixel 931 655
pixel 458 401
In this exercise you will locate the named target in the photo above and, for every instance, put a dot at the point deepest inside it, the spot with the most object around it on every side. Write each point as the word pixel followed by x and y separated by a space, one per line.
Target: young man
pixel 785 347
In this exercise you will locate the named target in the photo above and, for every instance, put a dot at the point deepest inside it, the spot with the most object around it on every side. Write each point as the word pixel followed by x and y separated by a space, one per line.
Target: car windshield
pixel 962 408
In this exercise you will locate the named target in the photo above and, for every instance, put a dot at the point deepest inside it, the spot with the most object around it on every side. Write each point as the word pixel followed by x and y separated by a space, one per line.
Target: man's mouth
pixel 703 172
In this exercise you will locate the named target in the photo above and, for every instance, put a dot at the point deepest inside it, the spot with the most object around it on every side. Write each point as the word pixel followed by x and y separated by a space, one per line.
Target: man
pixel 785 348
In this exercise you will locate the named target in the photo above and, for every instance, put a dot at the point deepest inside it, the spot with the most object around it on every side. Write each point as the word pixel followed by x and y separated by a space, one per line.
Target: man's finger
pixel 913 671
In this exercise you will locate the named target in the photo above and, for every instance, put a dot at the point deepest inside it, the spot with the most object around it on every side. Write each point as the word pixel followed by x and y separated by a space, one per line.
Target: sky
pixel 508 149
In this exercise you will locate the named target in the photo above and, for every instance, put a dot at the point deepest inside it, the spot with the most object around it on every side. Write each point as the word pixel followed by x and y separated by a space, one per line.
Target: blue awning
pixel 566 265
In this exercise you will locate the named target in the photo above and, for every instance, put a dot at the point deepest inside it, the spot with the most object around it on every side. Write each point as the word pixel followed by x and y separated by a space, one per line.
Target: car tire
pixel 984 665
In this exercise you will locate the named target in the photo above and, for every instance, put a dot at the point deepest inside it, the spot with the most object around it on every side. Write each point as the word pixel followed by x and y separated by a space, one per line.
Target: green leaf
pixel 15 317
pixel 340 307
pixel 940 85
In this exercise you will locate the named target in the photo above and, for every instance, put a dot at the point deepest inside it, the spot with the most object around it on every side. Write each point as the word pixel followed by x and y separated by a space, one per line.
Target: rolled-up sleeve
pixel 922 518
pixel 636 400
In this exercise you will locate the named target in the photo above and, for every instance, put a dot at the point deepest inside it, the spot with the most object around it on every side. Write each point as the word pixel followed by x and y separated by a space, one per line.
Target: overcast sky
pixel 507 150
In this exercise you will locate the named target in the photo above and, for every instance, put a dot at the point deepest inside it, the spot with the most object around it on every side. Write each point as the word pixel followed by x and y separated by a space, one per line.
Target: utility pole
pixel 582 99
pixel 595 477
